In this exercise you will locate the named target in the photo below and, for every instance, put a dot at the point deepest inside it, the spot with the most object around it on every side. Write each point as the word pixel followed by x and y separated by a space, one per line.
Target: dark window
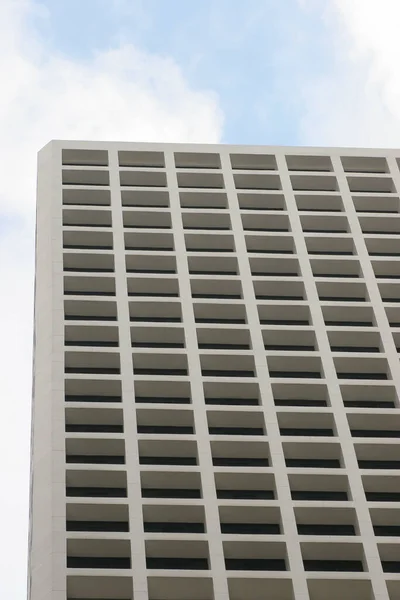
pixel 208 226
pixel 331 253
pixel 319 495
pixel 251 528
pixel 224 346
pixel 381 433
pixel 218 296
pixel 169 271
pixel 240 462
pixel 299 402
pixel 262 208
pixel 210 250
pixel 342 298
pixel 341 275
pixel 211 272
pixel 393 530
pixel 274 274
pixel 83 270
pixel 158 345
pixel 278 229
pixel 150 371
pixel 98 459
pixel 317 230
pixel 97 526
pixel 349 323
pixel 232 401
pixel 296 374
pixel 263 297
pixel 91 344
pixel 176 563
pixel 96 492
pixel 170 493
pixel 168 460
pixel 158 400
pixel 201 206
pixel 220 320
pixel 87 293
pixel 89 318
pixel 355 348
pixel 236 431
pixel 368 404
pixel 314 529
pixel 318 463
pixel 255 564
pixel 245 494
pixel 74 398
pixel 373 210
pixel 362 376
pixel 93 370
pixel 333 565
pixel 153 319
pixel 284 322
pixel 170 527
pixel 382 496
pixel 86 246
pixel 155 294
pixel 282 347
pixel 98 562
pixel 149 248
pixel 226 373
pixel 391 566
pixel 379 464
pixel 165 429
pixel 307 432
pixel 90 428
pixel 268 251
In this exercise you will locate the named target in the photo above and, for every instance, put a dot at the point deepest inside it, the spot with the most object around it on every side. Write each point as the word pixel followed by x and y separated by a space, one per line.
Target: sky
pixel 290 72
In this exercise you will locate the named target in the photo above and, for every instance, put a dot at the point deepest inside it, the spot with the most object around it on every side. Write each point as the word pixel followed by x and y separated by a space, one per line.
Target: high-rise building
pixel 216 373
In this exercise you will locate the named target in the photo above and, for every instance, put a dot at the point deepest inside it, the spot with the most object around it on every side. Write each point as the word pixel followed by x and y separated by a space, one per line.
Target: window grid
pixel 137 547
pixel 270 417
pixel 215 550
pixel 347 451
pixel 231 336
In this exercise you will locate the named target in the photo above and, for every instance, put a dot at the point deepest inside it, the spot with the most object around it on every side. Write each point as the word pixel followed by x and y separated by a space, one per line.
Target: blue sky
pixel 240 50
pixel 290 72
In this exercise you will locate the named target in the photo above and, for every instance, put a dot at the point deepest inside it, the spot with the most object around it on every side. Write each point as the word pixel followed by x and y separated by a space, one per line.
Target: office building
pixel 216 373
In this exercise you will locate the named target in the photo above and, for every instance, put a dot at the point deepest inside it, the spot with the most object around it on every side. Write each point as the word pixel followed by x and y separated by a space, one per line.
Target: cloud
pixel 120 94
pixel 356 102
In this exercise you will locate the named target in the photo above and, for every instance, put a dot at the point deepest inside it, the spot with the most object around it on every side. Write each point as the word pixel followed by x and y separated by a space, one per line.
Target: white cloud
pixel 119 94
pixel 357 101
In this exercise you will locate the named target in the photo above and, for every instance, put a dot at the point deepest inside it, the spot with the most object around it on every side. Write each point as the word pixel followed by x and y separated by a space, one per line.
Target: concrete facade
pixel 216 373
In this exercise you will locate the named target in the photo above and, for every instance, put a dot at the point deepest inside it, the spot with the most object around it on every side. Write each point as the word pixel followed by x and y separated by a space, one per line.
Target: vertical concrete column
pixel 128 393
pixel 47 537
